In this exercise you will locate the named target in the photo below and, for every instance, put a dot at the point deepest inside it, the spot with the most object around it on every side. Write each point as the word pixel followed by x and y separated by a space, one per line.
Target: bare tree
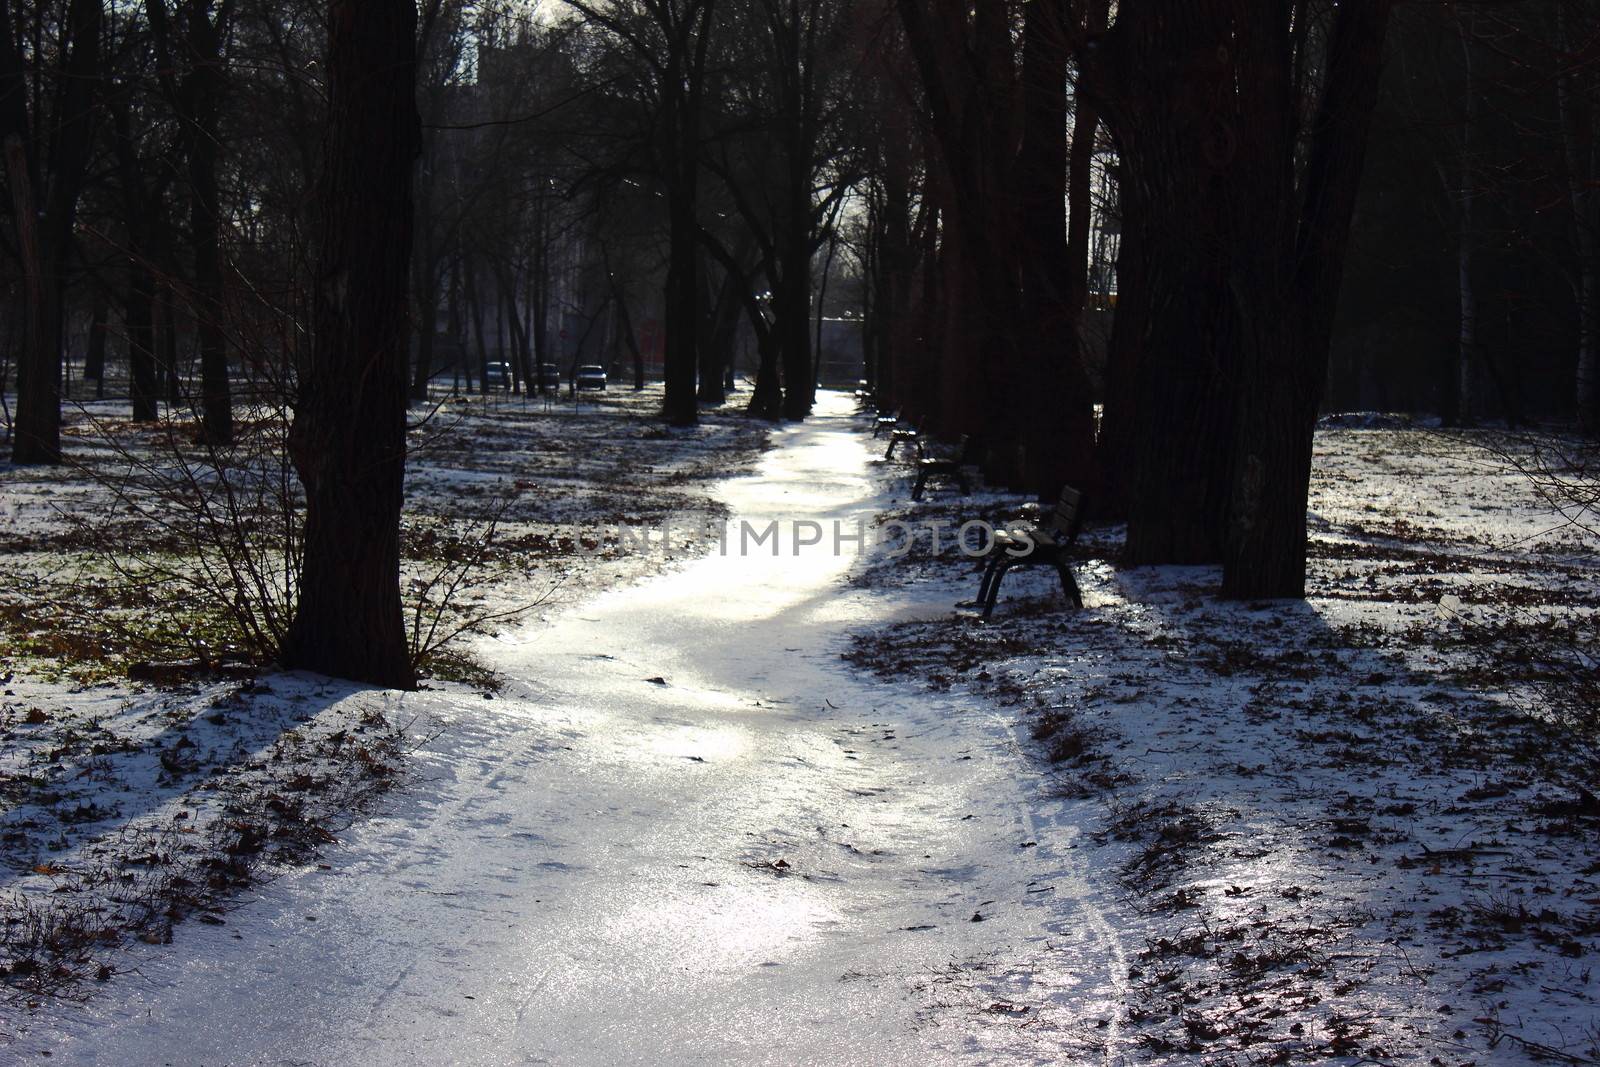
pixel 348 437
pixel 52 158
pixel 670 39
pixel 197 98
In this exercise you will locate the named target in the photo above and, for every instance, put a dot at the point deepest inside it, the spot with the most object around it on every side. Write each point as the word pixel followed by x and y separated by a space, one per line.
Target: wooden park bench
pixel 910 436
pixel 1052 542
pixel 885 422
pixel 951 467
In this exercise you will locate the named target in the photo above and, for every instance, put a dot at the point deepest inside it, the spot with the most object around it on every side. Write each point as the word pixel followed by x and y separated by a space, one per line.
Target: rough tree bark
pixel 1286 279
pixel 1058 433
pixel 1010 338
pixel 348 436
pixel 1163 84
pixel 1469 358
pixel 967 75
pixel 37 426
pixel 1577 87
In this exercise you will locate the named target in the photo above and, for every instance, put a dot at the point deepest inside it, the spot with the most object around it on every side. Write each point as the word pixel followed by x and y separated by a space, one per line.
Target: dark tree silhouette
pixel 56 166
pixel 196 99
pixel 1241 213
pixel 348 437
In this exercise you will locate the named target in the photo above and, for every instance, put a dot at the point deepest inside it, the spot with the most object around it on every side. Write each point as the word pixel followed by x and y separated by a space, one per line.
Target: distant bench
pixel 911 436
pixel 1051 543
pixel 945 468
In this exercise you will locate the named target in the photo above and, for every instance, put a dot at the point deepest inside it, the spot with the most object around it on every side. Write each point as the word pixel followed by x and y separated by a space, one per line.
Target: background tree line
pixel 1135 248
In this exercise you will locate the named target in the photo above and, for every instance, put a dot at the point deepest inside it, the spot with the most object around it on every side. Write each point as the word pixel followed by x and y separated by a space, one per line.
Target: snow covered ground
pixel 1360 828
pixel 793 809
pixel 139 787
pixel 685 832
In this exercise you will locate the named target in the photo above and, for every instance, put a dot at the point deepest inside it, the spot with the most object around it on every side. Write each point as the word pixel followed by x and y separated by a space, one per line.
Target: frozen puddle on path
pixel 767 859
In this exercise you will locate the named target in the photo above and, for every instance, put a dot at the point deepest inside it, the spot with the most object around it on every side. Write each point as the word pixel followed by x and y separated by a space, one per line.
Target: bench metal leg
pixel 922 483
pixel 994 587
pixel 990 565
pixel 890 453
pixel 1069 584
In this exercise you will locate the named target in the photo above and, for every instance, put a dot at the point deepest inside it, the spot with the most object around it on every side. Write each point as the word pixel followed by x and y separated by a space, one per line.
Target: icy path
pixel 583 872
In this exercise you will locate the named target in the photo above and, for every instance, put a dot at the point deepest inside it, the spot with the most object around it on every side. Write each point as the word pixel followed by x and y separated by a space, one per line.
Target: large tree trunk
pixel 349 432
pixel 1289 297
pixel 37 427
pixel 16 137
pixel 26 215
pixel 1576 89
pixel 1058 430
pixel 1469 360
pixel 967 73
pixel 1163 84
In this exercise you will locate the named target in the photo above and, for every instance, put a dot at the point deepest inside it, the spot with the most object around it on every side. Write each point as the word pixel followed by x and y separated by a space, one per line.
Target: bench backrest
pixel 924 451
pixel 1067 518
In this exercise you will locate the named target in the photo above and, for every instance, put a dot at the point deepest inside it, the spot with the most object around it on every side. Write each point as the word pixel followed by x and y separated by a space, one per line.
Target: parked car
pixel 549 376
pixel 497 375
pixel 589 376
